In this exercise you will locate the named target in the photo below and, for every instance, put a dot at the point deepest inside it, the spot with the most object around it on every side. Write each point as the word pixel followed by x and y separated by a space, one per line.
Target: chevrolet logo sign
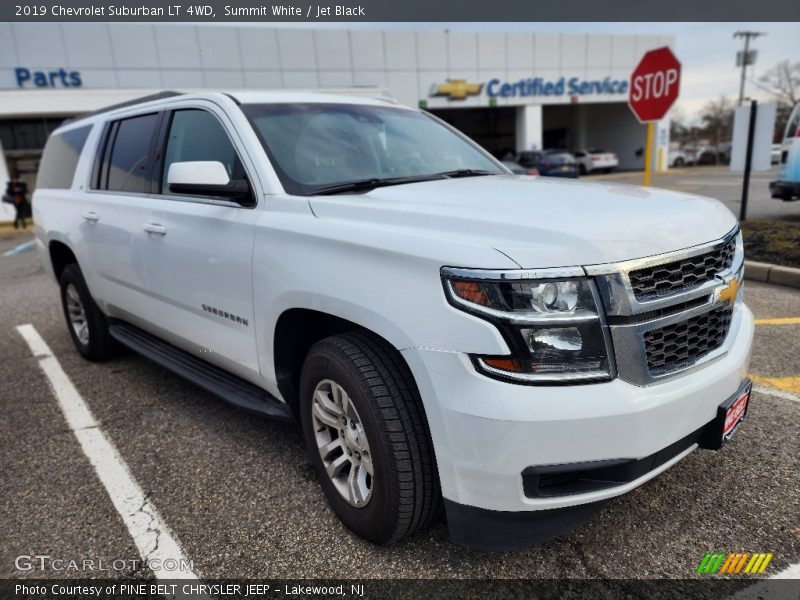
pixel 456 89
pixel 728 291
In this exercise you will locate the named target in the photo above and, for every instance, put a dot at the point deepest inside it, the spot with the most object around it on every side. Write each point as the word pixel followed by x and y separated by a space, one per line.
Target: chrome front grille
pixel 671 277
pixel 668 348
pixel 672 312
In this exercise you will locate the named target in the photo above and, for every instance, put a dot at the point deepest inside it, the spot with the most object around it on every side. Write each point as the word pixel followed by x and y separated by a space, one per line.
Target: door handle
pixel 155 228
pixel 90 216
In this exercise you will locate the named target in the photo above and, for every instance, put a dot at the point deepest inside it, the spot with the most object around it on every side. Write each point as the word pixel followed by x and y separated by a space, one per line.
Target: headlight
pixel 554 327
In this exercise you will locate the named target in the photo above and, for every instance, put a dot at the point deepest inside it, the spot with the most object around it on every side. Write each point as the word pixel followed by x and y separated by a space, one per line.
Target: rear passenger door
pixel 112 213
pixel 199 249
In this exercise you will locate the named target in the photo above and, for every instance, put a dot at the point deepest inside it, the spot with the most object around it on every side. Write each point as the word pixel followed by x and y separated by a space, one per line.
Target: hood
pixel 539 222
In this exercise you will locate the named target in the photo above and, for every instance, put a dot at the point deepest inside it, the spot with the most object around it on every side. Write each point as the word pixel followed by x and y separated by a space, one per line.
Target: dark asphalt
pixel 241 497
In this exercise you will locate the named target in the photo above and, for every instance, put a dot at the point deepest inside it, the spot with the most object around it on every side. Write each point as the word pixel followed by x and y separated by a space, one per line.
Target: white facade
pixel 67 68
pixel 159 56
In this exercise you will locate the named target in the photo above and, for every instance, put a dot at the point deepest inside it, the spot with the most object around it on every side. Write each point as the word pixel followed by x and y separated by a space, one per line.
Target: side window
pixel 60 158
pixel 197 135
pixel 793 127
pixel 127 158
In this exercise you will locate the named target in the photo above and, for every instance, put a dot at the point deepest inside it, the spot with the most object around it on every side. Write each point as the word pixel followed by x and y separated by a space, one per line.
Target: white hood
pixel 540 222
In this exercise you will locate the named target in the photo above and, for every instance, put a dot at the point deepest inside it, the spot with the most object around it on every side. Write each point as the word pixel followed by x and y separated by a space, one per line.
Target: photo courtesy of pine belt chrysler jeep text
pixel 511 350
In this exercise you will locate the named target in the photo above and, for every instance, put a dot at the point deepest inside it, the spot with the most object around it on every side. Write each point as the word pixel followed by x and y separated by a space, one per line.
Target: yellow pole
pixel 648 152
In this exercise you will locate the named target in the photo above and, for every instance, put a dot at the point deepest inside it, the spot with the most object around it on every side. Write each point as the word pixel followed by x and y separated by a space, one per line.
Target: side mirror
pixel 205 178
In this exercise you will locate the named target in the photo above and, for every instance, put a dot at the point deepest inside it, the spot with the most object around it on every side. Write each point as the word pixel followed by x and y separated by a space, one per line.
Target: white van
pixel 517 350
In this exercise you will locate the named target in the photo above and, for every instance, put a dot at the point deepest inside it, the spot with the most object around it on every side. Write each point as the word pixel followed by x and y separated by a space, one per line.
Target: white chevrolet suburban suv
pixel 516 350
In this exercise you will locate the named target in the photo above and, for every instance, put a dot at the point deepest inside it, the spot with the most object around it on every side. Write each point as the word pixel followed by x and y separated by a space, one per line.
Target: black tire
pixel 405 493
pixel 678 163
pixel 582 169
pixel 100 345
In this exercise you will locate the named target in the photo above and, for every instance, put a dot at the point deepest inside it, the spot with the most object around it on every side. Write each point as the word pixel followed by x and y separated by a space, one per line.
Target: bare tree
pixel 782 82
pixel 677 125
pixel 717 119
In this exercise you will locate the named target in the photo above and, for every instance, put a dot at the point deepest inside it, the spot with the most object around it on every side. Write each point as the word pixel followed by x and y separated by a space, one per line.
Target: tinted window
pixel 197 135
pixel 61 154
pixel 129 160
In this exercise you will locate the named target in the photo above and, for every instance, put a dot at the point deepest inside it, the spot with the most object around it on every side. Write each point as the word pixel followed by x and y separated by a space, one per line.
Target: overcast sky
pixel 707 51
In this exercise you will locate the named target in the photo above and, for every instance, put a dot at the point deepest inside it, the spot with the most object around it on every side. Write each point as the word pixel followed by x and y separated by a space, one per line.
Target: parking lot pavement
pixel 720 183
pixel 240 495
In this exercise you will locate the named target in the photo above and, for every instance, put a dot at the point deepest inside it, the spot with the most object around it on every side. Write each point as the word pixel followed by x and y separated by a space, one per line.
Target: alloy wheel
pixel 77 314
pixel 342 443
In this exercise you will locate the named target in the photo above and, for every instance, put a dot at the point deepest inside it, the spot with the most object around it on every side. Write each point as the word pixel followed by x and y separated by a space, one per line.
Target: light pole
pixel 745 56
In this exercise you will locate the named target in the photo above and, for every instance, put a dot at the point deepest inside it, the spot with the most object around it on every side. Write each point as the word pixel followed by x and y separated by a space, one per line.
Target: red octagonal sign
pixel 654 85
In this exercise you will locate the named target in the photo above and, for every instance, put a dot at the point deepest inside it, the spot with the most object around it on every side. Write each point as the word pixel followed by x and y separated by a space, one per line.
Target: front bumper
pixel 784 189
pixel 486 433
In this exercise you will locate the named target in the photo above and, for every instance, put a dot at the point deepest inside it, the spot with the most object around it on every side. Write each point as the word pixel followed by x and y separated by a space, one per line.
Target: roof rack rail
pixel 134 102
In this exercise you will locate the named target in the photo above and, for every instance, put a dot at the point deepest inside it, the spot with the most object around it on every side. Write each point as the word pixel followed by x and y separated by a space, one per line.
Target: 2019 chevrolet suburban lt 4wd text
pixel 515 350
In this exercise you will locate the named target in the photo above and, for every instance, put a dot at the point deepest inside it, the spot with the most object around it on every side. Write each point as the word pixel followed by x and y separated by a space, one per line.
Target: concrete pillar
pixel 661 146
pixel 529 127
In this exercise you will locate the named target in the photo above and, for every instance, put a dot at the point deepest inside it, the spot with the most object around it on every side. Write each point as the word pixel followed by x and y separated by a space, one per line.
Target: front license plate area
pixel 730 414
pixel 735 414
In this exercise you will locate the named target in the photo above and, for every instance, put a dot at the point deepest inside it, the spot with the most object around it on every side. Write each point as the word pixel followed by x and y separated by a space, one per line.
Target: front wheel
pixel 367 437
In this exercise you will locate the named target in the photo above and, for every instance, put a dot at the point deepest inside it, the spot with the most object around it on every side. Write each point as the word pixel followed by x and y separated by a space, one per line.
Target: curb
pixel 769 273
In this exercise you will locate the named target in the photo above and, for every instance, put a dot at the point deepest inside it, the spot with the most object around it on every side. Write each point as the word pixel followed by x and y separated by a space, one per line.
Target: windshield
pixel 316 146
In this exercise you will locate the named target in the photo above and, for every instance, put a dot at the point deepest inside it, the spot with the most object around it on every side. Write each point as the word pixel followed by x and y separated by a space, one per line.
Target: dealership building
pixel 509 91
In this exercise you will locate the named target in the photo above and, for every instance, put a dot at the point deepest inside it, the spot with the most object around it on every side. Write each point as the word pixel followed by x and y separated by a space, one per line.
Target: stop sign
pixel 654 85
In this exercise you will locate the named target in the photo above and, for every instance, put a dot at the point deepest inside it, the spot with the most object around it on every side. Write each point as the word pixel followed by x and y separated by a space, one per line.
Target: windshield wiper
pixel 361 185
pixel 371 183
pixel 466 173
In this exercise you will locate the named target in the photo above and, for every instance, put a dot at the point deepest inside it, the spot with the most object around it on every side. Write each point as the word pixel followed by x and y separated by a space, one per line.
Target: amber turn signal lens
pixel 471 292
pixel 504 364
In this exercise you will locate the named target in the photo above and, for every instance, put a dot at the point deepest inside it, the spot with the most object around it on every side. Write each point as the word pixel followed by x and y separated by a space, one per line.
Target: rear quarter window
pixel 60 158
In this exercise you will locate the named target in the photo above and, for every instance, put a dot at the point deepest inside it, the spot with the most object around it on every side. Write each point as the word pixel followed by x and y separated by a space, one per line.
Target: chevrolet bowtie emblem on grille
pixel 456 89
pixel 728 291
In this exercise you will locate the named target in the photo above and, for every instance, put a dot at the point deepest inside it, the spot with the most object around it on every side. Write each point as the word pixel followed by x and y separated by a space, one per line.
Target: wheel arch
pixel 61 255
pixel 296 331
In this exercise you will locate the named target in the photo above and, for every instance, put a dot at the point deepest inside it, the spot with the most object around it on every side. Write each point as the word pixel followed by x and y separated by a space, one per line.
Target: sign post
pixel 654 87
pixel 751 149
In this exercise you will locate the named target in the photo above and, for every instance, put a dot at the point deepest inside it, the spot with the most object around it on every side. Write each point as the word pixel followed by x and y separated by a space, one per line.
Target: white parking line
pixel 156 544
pixel 790 572
pixel 777 393
pixel 767 589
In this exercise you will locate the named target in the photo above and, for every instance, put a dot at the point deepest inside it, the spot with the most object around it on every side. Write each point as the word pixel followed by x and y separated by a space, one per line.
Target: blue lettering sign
pixel 47 79
pixel 573 86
